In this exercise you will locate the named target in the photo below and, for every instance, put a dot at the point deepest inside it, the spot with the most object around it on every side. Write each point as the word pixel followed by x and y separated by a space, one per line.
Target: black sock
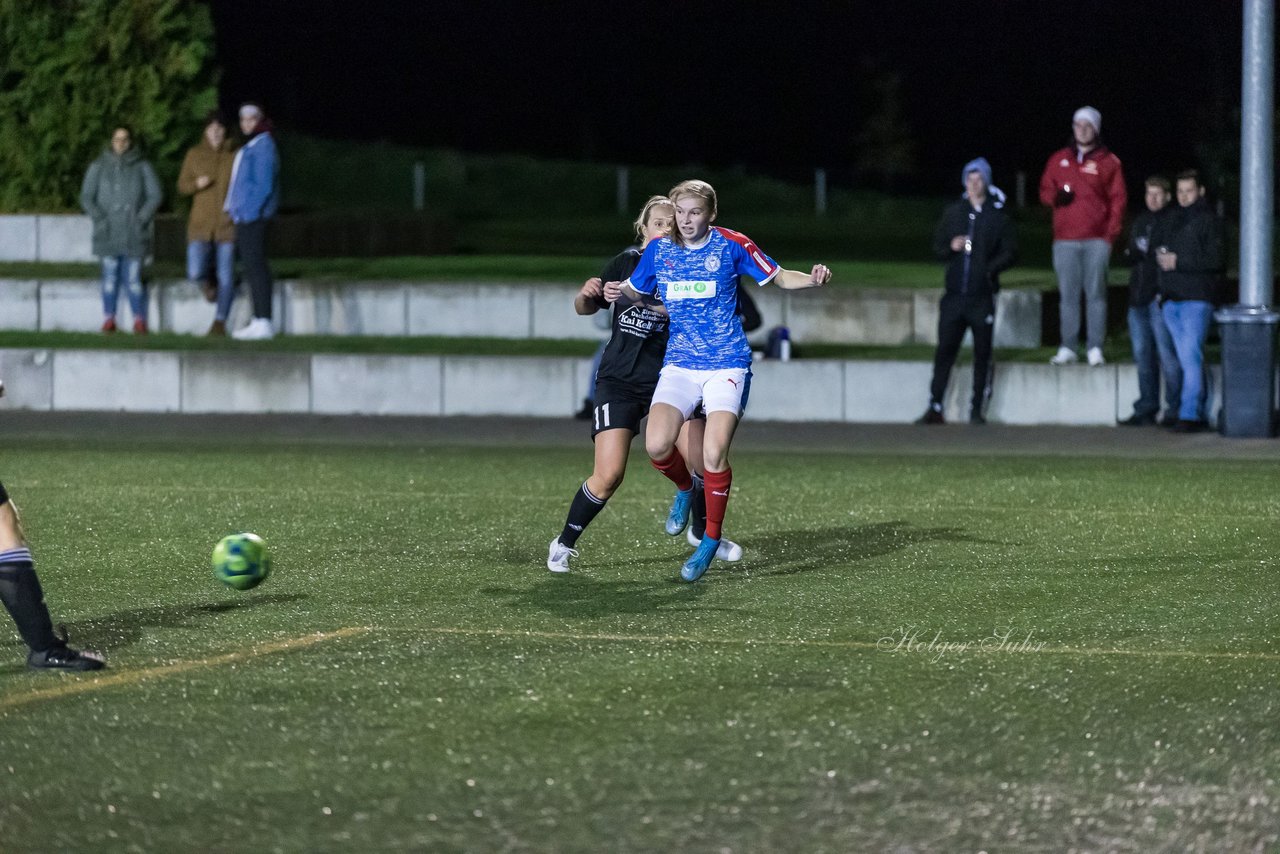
pixel 20 591
pixel 584 508
pixel 699 521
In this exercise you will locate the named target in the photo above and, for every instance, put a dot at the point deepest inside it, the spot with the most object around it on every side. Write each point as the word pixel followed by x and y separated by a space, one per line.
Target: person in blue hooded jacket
pixel 252 201
pixel 975 239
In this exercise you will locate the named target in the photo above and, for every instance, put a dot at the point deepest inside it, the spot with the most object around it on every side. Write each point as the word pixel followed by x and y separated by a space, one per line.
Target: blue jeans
pixel 1188 322
pixel 199 258
pixel 122 268
pixel 1154 353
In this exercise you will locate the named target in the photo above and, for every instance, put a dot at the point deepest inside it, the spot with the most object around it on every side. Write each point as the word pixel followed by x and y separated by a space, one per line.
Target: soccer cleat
pixel 681 509
pixel 1064 356
pixel 728 550
pixel 558 556
pixel 698 562
pixel 1095 357
pixel 63 657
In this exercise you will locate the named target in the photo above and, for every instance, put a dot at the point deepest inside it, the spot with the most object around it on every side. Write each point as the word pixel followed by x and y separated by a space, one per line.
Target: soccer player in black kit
pixel 624 386
pixel 24 599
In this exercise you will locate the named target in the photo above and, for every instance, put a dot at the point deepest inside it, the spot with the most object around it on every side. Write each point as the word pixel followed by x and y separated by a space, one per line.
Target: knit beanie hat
pixel 1090 115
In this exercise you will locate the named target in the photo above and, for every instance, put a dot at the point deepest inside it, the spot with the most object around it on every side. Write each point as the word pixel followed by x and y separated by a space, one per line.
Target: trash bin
pixel 1248 371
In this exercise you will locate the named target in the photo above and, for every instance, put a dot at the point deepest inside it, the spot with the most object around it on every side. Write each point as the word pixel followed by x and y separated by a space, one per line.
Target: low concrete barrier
pixel 800 390
pixel 498 310
pixel 46 237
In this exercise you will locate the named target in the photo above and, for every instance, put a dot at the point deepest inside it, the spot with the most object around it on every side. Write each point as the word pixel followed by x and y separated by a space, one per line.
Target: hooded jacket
pixel 975 274
pixel 255 180
pixel 121 194
pixel 1096 211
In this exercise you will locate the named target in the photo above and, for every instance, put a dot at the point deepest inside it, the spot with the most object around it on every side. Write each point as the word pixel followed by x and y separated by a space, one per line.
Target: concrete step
pixel 799 390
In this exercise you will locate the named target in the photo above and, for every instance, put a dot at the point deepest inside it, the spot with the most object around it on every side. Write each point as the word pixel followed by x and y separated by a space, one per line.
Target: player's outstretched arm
pixel 794 280
pixel 587 300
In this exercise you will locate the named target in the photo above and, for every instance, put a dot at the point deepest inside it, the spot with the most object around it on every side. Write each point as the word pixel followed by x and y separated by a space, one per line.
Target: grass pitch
pixel 938 653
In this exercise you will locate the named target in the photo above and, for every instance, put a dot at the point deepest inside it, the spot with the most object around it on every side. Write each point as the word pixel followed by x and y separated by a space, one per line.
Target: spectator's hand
pixel 612 291
pixel 1168 261
pixel 1064 197
pixel 821 274
pixel 957 243
pixel 591 288
pixel 203 181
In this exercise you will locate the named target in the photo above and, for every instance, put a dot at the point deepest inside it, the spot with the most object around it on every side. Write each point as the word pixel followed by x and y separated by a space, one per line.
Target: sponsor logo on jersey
pixel 712 263
pixel 690 290
pixel 1090 167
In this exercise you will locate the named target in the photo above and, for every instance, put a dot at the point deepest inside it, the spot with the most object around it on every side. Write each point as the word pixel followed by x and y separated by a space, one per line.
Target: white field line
pixel 113 678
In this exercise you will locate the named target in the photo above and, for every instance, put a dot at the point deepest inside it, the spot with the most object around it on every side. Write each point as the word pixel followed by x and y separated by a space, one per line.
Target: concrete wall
pixel 497 310
pixel 46 237
pixel 800 390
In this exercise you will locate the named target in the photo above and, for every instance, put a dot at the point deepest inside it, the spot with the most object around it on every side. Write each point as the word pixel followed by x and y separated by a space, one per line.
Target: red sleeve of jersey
pixel 1117 199
pixel 768 267
pixel 1048 187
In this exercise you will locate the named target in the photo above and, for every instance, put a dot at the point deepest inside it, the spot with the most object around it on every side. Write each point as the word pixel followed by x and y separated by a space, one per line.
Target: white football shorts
pixel 725 390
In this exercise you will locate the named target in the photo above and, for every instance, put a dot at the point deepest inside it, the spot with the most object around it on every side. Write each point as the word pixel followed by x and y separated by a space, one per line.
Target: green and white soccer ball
pixel 241 561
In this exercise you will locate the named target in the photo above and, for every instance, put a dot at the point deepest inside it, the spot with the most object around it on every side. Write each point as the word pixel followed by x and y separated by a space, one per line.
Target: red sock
pixel 716 485
pixel 675 470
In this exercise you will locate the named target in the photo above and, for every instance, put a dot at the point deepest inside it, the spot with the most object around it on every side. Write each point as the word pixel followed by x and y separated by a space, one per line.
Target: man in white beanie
pixel 1084 185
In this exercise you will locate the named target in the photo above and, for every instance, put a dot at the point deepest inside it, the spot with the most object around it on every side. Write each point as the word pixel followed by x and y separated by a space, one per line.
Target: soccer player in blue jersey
pixel 695 272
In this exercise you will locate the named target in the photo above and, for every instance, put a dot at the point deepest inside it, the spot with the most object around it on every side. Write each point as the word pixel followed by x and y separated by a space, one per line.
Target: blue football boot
pixel 699 560
pixel 681 508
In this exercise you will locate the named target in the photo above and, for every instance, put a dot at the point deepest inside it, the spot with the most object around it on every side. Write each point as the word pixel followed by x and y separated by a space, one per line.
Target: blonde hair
pixel 698 189
pixel 643 219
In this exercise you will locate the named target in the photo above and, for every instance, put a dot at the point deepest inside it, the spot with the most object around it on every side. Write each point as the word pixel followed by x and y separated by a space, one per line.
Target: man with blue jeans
pixel 1191 257
pixel 1153 350
pixel 205 177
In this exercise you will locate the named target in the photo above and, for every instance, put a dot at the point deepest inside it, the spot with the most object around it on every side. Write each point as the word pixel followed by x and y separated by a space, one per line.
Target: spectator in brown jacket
pixel 205 176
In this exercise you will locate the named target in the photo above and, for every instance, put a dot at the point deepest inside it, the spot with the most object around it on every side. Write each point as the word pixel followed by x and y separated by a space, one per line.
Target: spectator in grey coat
pixel 120 194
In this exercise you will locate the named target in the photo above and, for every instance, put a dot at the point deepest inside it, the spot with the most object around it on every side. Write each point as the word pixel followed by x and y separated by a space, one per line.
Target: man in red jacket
pixel 1085 186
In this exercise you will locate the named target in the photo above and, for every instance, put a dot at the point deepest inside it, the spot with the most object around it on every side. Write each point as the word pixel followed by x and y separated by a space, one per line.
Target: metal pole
pixel 624 190
pixel 1249 328
pixel 1256 147
pixel 820 191
pixel 419 186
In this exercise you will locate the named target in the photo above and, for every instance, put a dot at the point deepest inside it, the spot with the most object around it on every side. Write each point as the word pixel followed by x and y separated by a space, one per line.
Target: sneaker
pixel 558 556
pixel 108 326
pixel 1064 356
pixel 1136 420
pixel 1095 357
pixel 681 508
pixel 932 415
pixel 139 326
pixel 698 562
pixel 728 550
pixel 217 330
pixel 63 657
pixel 258 329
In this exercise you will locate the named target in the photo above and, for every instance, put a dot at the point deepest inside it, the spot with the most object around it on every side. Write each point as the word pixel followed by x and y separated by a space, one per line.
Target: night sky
pixel 776 87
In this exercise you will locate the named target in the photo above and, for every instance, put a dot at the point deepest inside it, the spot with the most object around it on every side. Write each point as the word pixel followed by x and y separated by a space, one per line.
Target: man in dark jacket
pixel 976 240
pixel 1153 350
pixel 1191 256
